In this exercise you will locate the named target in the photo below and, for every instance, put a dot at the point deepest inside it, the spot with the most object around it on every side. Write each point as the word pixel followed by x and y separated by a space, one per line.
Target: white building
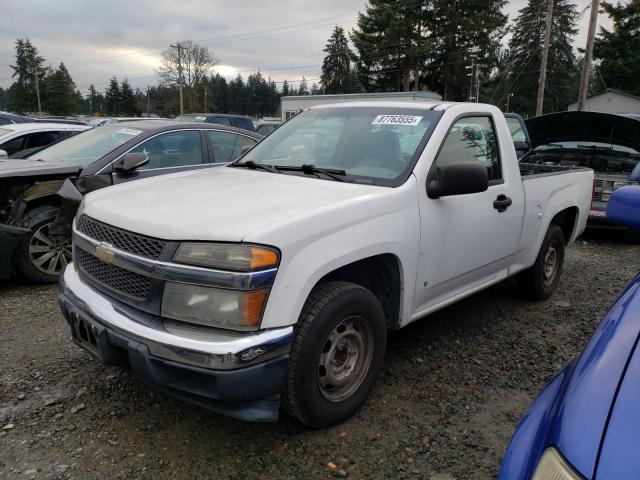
pixel 610 101
pixel 292 105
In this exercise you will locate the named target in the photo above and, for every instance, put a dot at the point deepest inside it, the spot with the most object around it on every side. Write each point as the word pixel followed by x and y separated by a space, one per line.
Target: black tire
pixel 331 306
pixel 536 282
pixel 25 259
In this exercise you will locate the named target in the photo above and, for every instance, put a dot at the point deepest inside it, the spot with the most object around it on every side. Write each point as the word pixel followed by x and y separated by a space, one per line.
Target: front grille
pixel 113 277
pixel 127 241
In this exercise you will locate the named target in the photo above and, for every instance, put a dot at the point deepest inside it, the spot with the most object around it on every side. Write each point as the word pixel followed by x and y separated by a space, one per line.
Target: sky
pixel 101 38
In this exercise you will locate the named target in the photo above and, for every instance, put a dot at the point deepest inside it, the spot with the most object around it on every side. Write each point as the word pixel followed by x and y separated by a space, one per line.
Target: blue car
pixel 586 422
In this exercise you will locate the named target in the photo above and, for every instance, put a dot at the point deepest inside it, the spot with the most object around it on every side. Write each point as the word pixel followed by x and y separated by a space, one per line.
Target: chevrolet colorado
pixel 273 281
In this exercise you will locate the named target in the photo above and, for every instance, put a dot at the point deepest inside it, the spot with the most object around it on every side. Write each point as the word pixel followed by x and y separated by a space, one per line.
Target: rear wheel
pixel 40 256
pixel 540 280
pixel 337 352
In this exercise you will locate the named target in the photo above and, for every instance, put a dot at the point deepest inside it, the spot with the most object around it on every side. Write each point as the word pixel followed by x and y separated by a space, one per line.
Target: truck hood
pixel 26 168
pixel 585 127
pixel 223 204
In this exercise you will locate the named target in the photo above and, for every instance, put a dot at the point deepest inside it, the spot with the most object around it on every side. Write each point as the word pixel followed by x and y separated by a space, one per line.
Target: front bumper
pixel 10 237
pixel 239 375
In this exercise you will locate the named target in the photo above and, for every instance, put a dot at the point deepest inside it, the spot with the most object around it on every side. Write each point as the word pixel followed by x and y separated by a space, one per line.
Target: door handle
pixel 502 203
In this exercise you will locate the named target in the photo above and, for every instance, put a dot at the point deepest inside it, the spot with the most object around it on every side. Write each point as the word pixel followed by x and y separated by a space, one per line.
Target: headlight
pixel 553 467
pixel 214 307
pixel 237 257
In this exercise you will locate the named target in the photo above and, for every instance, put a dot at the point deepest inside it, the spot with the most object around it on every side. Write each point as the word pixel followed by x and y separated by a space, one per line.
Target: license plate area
pixel 86 334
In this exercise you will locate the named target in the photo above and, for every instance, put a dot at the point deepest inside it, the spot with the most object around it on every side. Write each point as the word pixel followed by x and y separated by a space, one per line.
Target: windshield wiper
pixel 250 164
pixel 308 169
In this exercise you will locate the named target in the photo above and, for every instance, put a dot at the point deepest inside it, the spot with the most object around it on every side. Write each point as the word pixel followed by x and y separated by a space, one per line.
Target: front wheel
pixel 41 257
pixel 539 281
pixel 336 354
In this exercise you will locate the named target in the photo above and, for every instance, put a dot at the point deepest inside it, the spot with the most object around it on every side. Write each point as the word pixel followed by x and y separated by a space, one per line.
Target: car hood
pixel 586 127
pixel 26 168
pixel 589 391
pixel 223 204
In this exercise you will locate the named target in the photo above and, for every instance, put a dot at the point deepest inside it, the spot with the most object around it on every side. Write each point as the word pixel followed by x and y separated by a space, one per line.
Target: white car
pixel 274 280
pixel 22 136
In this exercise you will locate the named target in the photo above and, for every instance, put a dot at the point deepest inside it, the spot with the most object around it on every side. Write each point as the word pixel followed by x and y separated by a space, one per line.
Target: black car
pixel 219 119
pixel 39 195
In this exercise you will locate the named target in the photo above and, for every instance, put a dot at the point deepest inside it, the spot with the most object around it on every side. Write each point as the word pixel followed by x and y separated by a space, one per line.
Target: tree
pixel 386 39
pixel 457 35
pixel 96 100
pixel 286 91
pixel 196 62
pixel 525 47
pixel 60 92
pixel 112 98
pixel 28 71
pixel 336 74
pixel 303 89
pixel 619 49
pixel 128 104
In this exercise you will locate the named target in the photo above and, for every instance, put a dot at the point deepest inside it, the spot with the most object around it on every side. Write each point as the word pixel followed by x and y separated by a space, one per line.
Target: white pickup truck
pixel 273 281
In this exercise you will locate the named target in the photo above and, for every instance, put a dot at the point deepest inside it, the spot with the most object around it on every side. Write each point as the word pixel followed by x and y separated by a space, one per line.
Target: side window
pixel 240 144
pixel 472 139
pixel 14 145
pixel 219 121
pixel 173 149
pixel 517 133
pixel 40 139
pixel 221 145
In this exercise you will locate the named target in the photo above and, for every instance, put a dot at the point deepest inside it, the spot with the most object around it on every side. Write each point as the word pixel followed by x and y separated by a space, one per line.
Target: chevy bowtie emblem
pixel 104 253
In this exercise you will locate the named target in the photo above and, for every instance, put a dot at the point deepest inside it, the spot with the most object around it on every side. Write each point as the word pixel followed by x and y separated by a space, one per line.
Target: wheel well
pixel 381 275
pixel 566 220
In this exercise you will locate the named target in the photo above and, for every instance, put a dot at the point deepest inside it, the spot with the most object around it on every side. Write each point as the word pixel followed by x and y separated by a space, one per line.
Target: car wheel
pixel 539 281
pixel 40 257
pixel 337 352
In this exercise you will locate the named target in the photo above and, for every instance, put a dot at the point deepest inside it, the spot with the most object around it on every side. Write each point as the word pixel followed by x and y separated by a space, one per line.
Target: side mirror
pixel 624 206
pixel 457 179
pixel 3 155
pixel 130 161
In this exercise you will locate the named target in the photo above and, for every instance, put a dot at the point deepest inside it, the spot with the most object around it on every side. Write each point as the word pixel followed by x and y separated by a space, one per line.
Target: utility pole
pixel 588 55
pixel 35 72
pixel 147 100
pixel 545 55
pixel 179 47
pixel 90 105
pixel 205 98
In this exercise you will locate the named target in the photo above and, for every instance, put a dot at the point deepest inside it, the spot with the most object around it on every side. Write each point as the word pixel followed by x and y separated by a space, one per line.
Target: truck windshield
pixel 89 146
pixel 374 145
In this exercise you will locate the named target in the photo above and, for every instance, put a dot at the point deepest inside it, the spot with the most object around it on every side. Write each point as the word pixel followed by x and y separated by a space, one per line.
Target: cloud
pixel 99 39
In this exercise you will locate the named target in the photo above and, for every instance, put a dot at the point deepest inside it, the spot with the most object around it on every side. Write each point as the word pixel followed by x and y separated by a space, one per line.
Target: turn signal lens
pixel 237 257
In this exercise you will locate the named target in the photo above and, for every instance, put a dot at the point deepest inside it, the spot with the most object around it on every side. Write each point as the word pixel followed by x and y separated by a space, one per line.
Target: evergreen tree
pixel 112 98
pixel 458 34
pixel 128 104
pixel 563 76
pixel 303 89
pixel 22 95
pixel 315 90
pixel 95 100
pixel 387 42
pixel 286 90
pixel 237 95
pixel 619 49
pixel 60 92
pixel 336 74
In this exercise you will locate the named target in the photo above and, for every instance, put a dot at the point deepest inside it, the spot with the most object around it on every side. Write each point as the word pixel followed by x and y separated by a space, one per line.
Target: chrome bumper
pixel 176 342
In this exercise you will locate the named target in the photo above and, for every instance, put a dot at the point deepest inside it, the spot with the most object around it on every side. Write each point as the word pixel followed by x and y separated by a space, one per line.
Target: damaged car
pixel 607 143
pixel 39 195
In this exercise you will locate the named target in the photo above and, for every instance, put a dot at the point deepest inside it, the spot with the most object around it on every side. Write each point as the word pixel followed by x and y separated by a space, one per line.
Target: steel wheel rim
pixel 345 359
pixel 49 255
pixel 550 267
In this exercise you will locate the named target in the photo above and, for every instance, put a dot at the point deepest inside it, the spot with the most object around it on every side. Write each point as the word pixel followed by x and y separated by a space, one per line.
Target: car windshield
pixel 89 146
pixel 601 157
pixel 191 118
pixel 374 145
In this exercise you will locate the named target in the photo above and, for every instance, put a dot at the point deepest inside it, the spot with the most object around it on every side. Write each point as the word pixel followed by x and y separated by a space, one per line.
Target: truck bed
pixel 535 170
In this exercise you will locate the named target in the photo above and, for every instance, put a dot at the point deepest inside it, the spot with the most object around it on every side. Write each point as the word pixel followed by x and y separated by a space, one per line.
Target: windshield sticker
pixel 200 118
pixel 409 120
pixel 130 131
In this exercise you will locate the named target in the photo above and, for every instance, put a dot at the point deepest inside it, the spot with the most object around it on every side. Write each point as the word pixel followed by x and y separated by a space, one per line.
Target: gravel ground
pixel 450 395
